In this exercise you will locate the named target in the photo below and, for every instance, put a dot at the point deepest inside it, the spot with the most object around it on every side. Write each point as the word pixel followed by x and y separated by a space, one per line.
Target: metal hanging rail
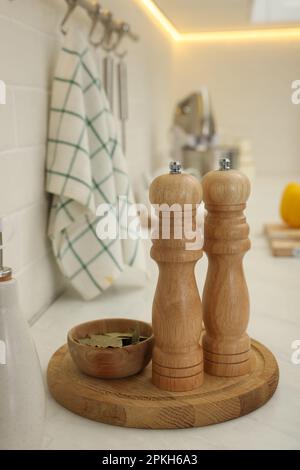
pixel 113 31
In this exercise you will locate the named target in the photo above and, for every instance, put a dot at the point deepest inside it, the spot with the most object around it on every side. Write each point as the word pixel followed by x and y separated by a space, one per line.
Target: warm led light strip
pixel 218 36
pixel 243 35
pixel 162 19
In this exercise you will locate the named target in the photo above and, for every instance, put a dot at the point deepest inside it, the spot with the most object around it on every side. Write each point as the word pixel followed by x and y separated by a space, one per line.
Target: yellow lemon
pixel 290 205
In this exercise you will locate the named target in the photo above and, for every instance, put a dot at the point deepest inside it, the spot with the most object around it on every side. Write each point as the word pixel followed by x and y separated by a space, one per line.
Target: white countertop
pixel 274 285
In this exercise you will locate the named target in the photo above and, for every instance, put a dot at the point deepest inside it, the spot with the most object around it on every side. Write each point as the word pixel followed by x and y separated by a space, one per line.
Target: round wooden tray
pixel 135 402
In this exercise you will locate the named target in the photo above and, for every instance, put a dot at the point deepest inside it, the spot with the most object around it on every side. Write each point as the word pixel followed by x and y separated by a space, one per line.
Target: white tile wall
pixel 29 41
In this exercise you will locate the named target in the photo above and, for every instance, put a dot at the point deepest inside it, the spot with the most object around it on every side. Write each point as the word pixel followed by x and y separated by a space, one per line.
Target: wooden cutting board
pixel 283 240
pixel 136 403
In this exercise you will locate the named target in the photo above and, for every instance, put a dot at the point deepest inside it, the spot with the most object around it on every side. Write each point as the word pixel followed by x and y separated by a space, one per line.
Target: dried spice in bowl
pixel 113 339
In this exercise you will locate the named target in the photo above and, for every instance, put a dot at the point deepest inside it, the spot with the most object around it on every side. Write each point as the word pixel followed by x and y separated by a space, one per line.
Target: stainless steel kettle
pixel 194 132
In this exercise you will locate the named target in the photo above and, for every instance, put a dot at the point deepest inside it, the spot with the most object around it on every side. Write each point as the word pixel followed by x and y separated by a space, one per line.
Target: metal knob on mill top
pixel 225 164
pixel 177 359
pixel 175 168
pixel 226 345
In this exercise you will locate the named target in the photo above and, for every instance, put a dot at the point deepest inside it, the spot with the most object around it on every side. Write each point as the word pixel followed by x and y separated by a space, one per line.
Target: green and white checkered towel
pixel 85 167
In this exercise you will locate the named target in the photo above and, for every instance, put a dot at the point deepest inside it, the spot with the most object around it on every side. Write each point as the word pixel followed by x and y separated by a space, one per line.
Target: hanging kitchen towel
pixel 86 168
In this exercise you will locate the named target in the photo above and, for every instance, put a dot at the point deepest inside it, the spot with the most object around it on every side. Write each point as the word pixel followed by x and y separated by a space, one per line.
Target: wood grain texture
pixel 226 344
pixel 283 240
pixel 6 278
pixel 282 232
pixel 177 360
pixel 135 402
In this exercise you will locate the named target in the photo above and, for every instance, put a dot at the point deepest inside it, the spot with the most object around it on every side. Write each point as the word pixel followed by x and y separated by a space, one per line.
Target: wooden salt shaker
pixel 225 343
pixel 177 360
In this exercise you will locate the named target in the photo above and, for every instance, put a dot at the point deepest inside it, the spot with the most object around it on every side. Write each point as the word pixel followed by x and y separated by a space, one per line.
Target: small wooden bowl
pixel 110 363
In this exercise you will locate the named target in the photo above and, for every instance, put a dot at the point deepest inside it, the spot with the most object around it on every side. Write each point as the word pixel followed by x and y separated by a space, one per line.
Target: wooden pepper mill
pixel 225 343
pixel 177 360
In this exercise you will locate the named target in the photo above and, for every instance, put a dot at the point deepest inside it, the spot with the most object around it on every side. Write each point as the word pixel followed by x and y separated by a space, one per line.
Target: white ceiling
pixel 211 15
